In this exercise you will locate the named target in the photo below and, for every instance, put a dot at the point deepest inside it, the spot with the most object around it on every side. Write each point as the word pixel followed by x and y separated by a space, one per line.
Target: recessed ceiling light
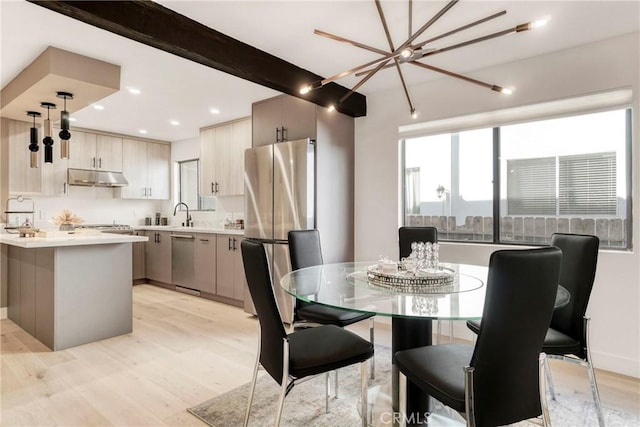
pixel 134 91
pixel 143 131
pixel 214 111
pixel 174 122
pixel 98 107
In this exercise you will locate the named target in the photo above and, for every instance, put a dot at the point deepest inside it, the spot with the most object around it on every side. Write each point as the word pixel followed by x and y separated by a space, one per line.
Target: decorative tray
pixel 408 281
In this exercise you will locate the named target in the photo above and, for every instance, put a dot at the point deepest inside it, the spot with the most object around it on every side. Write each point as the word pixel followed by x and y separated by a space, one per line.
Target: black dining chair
pixel 408 235
pixel 568 336
pixel 292 358
pixel 305 251
pixel 500 380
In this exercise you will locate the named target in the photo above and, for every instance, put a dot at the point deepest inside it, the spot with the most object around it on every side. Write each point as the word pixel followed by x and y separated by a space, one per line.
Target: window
pixel 188 187
pixel 522 182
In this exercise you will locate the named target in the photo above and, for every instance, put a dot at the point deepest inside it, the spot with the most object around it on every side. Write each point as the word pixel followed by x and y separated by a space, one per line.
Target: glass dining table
pixel 348 285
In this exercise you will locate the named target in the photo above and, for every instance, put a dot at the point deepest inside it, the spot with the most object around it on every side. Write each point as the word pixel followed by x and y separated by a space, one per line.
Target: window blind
pixel 531 186
pixel 587 184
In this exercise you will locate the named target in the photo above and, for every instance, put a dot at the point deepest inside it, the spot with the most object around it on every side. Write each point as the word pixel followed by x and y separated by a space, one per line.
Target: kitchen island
pixel 73 289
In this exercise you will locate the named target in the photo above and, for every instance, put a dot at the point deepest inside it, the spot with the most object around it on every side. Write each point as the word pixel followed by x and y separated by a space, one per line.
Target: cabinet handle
pixel 64 188
pixel 229 242
pixel 217 187
pixel 213 189
pixel 93 162
pixel 284 134
pixel 100 162
pixel 157 237
pixel 149 191
pixel 234 244
pixel 278 135
pixel 204 240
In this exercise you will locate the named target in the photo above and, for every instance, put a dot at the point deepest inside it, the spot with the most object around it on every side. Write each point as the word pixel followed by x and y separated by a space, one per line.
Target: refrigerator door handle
pixel 278 135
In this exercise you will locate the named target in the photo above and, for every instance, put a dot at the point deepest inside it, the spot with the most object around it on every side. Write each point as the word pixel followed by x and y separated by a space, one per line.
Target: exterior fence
pixel 529 229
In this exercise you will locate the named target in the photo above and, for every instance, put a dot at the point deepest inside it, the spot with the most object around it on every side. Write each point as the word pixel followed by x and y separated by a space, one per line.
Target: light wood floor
pixel 183 351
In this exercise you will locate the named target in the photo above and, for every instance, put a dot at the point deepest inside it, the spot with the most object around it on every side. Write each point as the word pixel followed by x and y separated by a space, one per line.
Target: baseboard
pixel 3 312
pixel 614 363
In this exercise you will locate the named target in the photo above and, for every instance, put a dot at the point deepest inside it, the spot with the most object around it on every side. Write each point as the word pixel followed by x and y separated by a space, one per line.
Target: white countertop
pixel 69 240
pixel 178 229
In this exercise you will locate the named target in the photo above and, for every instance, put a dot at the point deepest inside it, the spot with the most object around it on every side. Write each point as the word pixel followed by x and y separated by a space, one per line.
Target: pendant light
pixel 64 134
pixel 33 140
pixel 48 130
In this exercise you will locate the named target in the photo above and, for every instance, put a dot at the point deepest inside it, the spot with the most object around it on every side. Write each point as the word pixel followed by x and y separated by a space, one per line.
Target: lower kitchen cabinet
pixel 205 263
pixel 157 253
pixel 230 278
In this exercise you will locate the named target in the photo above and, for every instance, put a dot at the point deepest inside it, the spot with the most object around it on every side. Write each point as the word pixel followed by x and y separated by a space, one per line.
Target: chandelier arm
pixel 363 81
pixel 362 73
pixel 354 43
pixel 516 29
pixel 457 30
pixel 355 70
pixel 457 76
pixel 410 17
pixel 427 25
pixel 404 86
pixel 384 24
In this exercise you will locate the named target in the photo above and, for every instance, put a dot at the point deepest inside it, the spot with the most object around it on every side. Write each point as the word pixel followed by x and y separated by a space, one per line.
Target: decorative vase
pixel 66 227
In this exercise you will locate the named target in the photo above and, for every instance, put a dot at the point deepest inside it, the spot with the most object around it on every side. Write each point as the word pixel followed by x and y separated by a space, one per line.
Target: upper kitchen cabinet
pixel 222 158
pixel 22 178
pixel 90 151
pixel 146 166
pixel 283 118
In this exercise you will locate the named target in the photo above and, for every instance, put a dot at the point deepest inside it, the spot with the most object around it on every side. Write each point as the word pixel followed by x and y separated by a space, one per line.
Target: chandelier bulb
pixel 414 113
pixel 331 108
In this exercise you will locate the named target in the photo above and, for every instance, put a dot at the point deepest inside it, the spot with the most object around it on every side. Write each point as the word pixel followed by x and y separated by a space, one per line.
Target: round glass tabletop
pixel 346 285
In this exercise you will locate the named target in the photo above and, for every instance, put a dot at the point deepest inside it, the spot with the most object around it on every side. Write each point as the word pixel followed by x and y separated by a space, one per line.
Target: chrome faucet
pixel 188 222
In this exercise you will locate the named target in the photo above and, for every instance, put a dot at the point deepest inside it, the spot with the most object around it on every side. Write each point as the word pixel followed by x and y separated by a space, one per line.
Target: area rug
pixel 305 404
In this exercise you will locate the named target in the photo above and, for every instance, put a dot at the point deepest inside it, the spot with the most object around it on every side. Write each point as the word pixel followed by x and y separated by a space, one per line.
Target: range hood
pixel 94 178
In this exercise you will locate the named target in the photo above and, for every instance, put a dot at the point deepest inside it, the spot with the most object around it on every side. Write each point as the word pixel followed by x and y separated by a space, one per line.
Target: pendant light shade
pixel 64 134
pixel 48 131
pixel 33 140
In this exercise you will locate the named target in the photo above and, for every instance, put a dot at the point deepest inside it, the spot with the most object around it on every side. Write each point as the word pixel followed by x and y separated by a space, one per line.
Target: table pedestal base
pixel 409 333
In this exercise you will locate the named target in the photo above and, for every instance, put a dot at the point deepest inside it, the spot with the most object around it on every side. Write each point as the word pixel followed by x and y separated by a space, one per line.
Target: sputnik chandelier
pixel 411 51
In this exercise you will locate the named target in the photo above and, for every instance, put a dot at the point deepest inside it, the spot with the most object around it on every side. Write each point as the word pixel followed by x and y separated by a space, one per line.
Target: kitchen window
pixel 188 184
pixel 519 183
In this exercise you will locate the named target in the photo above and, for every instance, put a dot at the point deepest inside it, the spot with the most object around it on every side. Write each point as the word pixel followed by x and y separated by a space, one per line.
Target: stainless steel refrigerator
pixel 279 196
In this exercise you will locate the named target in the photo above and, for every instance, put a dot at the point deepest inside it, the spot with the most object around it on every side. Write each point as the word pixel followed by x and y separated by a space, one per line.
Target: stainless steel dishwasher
pixel 182 271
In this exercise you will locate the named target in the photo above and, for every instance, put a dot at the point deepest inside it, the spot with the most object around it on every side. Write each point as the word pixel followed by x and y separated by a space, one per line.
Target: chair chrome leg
pixel 402 399
pixel 285 379
pixel 542 388
pixel 364 391
pixel 547 370
pixel 253 387
pixel 450 331
pixel 438 331
pixel 592 375
pixel 335 386
pixel 372 341
pixel 469 399
pixel 327 395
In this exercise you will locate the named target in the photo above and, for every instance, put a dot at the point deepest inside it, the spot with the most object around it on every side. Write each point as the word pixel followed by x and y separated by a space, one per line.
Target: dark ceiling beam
pixel 157 26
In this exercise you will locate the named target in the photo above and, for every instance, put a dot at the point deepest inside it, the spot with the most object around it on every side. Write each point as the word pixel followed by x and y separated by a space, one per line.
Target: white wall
pixel 609 64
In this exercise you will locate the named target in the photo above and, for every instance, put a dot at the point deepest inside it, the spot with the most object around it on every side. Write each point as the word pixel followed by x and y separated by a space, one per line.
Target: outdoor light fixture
pixel 410 52
pixel 64 134
pixel 48 130
pixel 33 140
